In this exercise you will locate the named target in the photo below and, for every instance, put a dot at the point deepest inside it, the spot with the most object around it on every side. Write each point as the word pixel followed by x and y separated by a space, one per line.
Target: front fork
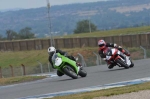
pixel 124 58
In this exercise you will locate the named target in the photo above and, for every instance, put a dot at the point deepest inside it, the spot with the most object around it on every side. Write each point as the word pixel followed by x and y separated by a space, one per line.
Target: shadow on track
pixel 111 70
pixel 66 79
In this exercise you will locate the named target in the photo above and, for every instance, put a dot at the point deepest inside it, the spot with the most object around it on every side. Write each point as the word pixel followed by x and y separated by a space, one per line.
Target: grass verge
pixel 20 79
pixel 107 92
pixel 115 32
pixel 30 58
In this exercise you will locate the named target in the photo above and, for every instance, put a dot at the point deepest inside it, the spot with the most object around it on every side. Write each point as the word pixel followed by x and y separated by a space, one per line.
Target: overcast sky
pixel 27 4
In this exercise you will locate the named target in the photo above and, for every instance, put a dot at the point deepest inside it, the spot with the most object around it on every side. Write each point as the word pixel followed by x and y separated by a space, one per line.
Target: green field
pixel 19 79
pixel 30 58
pixel 124 31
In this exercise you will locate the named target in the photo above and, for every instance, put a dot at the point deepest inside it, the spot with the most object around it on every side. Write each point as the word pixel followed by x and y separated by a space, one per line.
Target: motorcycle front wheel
pixel 69 71
pixel 82 73
pixel 132 64
pixel 118 61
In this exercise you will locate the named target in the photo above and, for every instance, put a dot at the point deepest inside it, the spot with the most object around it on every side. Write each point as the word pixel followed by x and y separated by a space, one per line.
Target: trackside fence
pixel 77 42
pixel 139 40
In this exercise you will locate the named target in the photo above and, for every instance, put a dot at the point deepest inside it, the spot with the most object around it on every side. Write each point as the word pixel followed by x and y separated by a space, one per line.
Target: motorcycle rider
pixel 103 45
pixel 52 50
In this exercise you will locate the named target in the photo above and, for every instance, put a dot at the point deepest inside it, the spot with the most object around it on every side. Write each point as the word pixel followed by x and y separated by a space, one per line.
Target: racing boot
pixel 110 66
pixel 79 65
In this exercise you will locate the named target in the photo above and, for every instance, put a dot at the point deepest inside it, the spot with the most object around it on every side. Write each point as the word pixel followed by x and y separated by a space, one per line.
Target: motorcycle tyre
pixel 59 73
pixel 68 73
pixel 82 73
pixel 132 64
pixel 122 64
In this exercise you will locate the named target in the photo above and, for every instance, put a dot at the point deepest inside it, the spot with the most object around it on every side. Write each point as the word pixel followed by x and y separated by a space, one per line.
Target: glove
pixel 76 58
pixel 66 54
pixel 119 46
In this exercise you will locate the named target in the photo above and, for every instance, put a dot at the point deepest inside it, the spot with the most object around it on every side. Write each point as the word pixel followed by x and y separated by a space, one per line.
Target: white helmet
pixel 51 49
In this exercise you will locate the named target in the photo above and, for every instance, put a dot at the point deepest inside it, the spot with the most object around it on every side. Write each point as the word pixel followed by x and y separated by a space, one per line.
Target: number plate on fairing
pixel 58 61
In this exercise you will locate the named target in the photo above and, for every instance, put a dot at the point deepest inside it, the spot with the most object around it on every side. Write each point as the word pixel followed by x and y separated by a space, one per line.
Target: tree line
pixel 83 26
pixel 24 33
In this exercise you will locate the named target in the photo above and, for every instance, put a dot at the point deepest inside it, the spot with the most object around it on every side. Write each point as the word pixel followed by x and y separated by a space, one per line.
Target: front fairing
pixel 61 61
pixel 56 60
pixel 109 52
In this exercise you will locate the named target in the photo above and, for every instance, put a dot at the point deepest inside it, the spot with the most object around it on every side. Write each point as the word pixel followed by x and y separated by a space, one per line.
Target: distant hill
pixel 15 9
pixel 104 14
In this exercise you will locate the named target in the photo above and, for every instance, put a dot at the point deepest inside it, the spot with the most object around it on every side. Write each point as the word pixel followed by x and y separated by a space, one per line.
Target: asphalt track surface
pixel 97 75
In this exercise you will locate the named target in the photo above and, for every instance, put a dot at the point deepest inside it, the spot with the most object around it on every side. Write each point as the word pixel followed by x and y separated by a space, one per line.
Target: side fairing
pixel 66 60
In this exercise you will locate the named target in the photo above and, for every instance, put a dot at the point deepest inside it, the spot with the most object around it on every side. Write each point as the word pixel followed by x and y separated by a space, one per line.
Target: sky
pixel 27 4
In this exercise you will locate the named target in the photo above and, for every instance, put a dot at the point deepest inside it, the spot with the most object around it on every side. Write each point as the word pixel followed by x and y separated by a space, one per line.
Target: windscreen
pixel 54 57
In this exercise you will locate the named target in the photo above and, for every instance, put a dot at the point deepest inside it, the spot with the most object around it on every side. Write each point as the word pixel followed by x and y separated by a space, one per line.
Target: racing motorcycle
pixel 116 57
pixel 67 66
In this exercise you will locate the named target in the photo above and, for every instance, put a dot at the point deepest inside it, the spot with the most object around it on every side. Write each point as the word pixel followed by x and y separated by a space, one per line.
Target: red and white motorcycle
pixel 116 57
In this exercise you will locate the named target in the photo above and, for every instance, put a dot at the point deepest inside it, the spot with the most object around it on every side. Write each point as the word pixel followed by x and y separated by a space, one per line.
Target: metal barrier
pixel 82 60
pixel 98 59
pixel 145 55
pixel 41 66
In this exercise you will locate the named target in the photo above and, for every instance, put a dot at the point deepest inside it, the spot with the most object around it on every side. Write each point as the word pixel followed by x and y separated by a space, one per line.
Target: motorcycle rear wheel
pixel 122 63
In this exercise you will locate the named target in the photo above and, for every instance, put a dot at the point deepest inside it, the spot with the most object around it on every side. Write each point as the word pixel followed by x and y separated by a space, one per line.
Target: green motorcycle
pixel 67 66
